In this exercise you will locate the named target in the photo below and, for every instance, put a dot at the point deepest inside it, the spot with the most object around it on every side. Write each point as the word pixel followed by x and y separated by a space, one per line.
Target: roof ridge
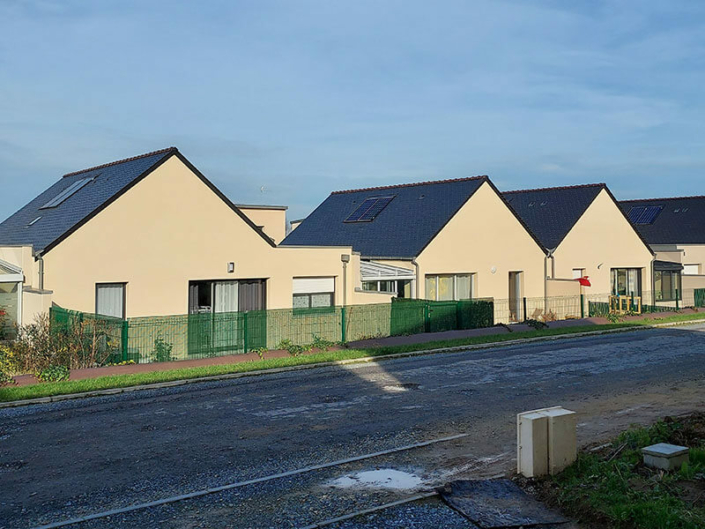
pixel 662 198
pixel 413 184
pixel 579 186
pixel 117 162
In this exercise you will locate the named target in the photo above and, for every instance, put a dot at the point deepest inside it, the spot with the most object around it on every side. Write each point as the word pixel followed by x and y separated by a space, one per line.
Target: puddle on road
pixel 383 478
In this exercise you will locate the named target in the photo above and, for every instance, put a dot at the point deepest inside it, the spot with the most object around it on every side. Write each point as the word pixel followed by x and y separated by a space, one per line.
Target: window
pixel 578 273
pixel 313 301
pixel 400 287
pixel 369 209
pixel 449 287
pixel 110 299
pixel 66 193
pixel 667 285
pixel 626 281
pixel 207 297
pixel 313 292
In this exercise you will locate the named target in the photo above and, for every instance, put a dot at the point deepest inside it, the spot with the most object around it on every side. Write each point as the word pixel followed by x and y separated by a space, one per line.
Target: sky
pixel 282 102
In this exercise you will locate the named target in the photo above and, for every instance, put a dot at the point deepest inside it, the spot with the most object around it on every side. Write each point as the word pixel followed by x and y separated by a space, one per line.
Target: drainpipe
pixel 416 281
pixel 548 256
pixel 345 258
pixel 41 272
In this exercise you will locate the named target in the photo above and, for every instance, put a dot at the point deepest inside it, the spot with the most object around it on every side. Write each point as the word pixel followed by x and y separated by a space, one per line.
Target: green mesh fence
pixel 699 297
pixel 164 338
pixel 104 337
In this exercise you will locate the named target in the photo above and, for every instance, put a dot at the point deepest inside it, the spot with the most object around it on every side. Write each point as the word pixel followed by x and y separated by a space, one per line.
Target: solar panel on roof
pixel 369 209
pixel 376 209
pixel 635 213
pixel 649 215
pixel 361 209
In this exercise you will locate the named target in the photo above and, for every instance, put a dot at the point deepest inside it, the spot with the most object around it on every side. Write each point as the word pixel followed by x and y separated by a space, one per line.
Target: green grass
pixel 11 393
pixel 669 319
pixel 619 492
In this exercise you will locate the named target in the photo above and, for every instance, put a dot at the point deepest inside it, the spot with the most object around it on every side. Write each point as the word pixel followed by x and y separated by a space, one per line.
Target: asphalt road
pixel 69 459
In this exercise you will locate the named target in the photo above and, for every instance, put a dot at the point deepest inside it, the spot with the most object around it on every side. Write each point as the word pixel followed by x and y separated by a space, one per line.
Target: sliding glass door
pixel 217 323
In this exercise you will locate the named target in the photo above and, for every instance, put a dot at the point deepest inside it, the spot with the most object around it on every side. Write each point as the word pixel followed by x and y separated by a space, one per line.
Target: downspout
pixel 345 258
pixel 41 272
pixel 416 281
pixel 548 256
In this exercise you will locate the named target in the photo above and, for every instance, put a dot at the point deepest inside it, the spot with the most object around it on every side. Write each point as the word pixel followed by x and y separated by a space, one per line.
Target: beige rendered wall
pixel 22 256
pixel 484 235
pixel 272 221
pixel 602 239
pixel 562 287
pixel 693 254
pixel 158 241
pixel 34 303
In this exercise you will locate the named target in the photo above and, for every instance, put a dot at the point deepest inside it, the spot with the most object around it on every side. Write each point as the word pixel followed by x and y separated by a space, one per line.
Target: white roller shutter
pixel 313 285
pixel 691 270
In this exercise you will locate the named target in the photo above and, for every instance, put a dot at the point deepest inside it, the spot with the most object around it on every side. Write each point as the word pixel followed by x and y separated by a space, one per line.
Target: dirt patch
pixel 623 456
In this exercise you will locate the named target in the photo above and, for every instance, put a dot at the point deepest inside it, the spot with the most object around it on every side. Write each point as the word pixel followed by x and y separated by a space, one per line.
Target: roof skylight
pixel 66 193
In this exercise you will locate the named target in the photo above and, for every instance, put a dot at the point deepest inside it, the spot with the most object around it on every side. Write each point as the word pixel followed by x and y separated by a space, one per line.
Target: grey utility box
pixel 665 456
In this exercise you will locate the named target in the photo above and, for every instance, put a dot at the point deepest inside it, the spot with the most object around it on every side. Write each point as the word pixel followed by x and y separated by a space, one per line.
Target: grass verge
pixel 612 488
pixel 12 393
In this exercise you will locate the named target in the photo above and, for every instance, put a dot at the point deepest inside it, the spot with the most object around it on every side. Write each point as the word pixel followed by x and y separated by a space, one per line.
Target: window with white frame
pixel 578 273
pixel 449 287
pixel 313 292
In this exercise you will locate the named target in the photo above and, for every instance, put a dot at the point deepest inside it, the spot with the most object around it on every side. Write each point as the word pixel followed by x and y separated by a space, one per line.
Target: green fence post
pixel 244 331
pixel 427 317
pixel 342 324
pixel 676 299
pixel 582 305
pixel 123 338
pixel 524 307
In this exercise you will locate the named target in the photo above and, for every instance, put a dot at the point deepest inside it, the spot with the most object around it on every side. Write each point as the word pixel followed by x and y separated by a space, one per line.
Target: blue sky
pixel 282 102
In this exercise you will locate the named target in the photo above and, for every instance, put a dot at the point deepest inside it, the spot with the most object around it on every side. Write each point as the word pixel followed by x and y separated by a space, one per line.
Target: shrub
pixel 75 344
pixel 162 350
pixel 3 324
pixel 8 365
pixel 53 374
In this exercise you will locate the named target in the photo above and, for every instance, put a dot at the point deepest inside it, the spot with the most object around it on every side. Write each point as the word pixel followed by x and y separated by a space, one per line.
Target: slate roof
pixel 551 212
pixel 681 221
pixel 109 182
pixel 401 230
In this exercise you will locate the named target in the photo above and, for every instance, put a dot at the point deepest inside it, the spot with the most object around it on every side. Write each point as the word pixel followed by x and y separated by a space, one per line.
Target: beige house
pixel 443 240
pixel 675 230
pixel 270 219
pixel 586 234
pixel 150 235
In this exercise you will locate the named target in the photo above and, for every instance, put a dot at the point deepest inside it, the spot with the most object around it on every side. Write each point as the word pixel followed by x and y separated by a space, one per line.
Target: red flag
pixel 584 281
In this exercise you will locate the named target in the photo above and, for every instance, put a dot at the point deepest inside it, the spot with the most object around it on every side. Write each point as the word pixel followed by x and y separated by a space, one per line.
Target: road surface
pixel 69 459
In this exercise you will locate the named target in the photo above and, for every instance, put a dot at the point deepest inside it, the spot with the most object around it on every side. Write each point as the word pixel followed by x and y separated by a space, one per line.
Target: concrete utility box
pixel 546 441
pixel 665 456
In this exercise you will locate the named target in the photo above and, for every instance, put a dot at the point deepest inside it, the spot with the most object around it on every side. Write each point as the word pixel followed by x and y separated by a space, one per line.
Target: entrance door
pixel 515 296
pixel 253 301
